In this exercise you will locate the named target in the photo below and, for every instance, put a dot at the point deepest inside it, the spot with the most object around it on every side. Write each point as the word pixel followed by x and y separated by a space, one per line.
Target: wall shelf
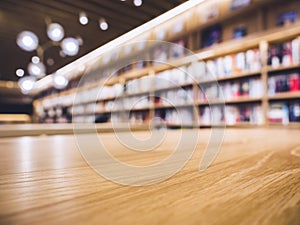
pixel 285 95
pixel 259 40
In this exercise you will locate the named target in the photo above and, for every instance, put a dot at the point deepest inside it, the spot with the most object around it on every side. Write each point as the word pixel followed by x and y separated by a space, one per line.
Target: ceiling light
pixel 36 69
pixel 20 72
pixel 27 41
pixel 137 2
pixel 70 46
pixel 50 62
pixel 103 24
pixel 35 59
pixel 26 84
pixel 55 32
pixel 60 81
pixel 83 18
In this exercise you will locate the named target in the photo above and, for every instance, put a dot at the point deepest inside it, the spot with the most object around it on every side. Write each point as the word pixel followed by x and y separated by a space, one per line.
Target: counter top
pixel 255 179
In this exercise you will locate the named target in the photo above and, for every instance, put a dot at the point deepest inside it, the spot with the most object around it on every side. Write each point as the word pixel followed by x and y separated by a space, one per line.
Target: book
pixel 160 54
pixel 285 53
pixel 177 48
pixel 278 113
pixel 294 82
pixel 295 51
pixel 211 35
pixel 294 112
pixel 287 18
pixel 283 83
pixel 239 32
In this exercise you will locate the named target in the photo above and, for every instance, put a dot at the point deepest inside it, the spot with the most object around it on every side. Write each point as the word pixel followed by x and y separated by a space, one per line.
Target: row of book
pixel 82 97
pixel 231 115
pixel 242 62
pixel 284 112
pixel 83 119
pixel 94 94
pixel 182 116
pixel 128 103
pixel 252 88
pixel 54 115
pixel 215 115
pixel 132 117
pixel 165 51
pixel 59 101
pixel 135 102
pixel 218 68
pixel 285 54
pixel 283 83
pixel 175 97
pixel 139 85
pixel 172 77
pixel 221 67
pixel 279 112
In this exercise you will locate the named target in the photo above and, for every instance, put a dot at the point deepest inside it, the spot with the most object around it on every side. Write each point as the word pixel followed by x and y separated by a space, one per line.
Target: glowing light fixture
pixel 35 59
pixel 36 69
pixel 103 24
pixel 55 32
pixel 27 41
pixel 60 81
pixel 137 2
pixel 70 46
pixel 26 84
pixel 83 19
pixel 20 72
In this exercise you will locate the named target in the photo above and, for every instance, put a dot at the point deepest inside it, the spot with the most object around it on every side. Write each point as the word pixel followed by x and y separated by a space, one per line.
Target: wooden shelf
pixel 177 126
pixel 289 125
pixel 234 101
pixel 83 114
pixel 232 77
pixel 126 95
pixel 138 109
pixel 160 106
pixel 244 125
pixel 108 99
pixel 215 51
pixel 237 125
pixel 260 35
pixel 174 87
pixel 282 68
pixel 285 95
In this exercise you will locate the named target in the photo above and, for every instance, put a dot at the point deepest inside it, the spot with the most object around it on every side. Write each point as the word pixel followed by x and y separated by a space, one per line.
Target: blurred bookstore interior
pixel 237 61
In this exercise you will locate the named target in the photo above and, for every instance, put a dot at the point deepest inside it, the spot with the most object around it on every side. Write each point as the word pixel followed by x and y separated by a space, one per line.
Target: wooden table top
pixel 254 180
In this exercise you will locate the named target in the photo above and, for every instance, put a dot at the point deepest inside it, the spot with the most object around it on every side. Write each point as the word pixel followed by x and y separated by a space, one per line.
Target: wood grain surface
pixel 254 180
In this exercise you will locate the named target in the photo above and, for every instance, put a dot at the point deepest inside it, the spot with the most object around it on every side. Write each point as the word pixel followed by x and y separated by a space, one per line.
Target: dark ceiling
pixel 19 15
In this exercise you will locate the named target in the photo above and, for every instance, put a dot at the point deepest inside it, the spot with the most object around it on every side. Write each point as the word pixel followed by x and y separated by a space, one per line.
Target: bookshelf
pixel 244 68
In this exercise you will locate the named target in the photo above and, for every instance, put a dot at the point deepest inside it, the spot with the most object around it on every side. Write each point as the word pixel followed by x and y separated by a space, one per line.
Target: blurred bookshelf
pixel 246 56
